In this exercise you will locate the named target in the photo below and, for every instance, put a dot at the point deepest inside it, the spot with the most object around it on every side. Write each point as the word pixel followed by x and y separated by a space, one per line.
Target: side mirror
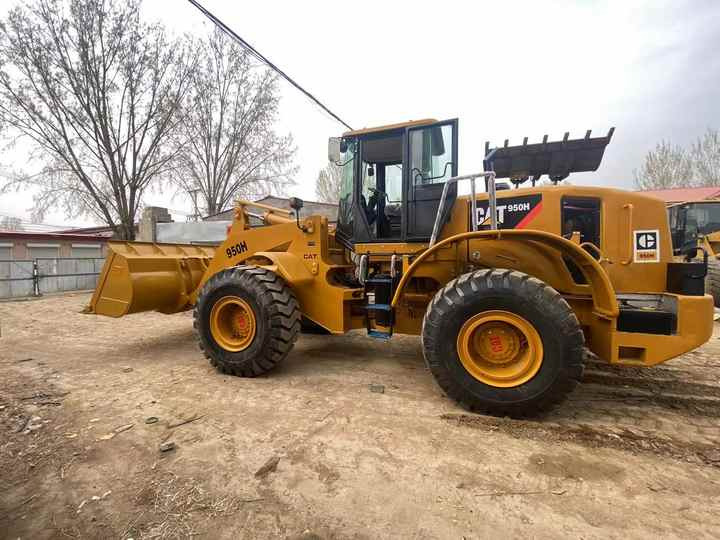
pixel 334 149
pixel 295 203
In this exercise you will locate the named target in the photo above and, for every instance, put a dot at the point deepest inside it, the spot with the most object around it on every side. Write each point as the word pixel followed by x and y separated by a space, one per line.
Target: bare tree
pixel 97 93
pixel 667 166
pixel 10 223
pixel 230 145
pixel 705 155
pixel 329 183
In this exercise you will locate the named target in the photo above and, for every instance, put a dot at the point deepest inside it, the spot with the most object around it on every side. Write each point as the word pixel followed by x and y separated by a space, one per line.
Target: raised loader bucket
pixel 141 276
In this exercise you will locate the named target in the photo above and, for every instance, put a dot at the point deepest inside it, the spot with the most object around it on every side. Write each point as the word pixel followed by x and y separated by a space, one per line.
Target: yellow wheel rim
pixel 232 323
pixel 500 348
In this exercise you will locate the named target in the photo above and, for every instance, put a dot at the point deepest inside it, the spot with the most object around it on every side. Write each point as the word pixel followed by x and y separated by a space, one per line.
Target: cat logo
pixel 646 246
pixel 512 212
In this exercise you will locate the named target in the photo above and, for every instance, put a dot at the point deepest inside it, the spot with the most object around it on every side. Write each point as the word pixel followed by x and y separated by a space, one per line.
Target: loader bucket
pixel 141 276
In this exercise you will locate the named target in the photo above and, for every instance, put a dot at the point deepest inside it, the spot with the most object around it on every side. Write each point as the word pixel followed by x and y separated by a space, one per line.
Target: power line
pixel 263 59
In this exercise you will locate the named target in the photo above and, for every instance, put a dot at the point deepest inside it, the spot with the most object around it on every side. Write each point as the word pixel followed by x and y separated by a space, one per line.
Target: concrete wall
pixel 151 217
pixel 193 232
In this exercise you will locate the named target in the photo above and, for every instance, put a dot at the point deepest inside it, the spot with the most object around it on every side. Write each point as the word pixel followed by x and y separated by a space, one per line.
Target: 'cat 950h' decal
pixel 512 212
pixel 237 249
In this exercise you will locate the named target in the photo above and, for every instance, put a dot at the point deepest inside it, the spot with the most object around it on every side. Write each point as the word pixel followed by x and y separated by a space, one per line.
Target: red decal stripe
pixel 529 216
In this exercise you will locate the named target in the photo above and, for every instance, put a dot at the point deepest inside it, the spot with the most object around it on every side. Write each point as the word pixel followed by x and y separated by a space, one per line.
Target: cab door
pixel 431 158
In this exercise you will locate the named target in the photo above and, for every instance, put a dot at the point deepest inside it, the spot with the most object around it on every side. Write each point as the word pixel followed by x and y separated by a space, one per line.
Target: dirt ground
pixel 315 450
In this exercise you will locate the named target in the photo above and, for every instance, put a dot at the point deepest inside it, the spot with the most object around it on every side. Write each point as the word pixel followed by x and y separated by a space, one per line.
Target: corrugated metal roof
pixel 25 235
pixel 677 195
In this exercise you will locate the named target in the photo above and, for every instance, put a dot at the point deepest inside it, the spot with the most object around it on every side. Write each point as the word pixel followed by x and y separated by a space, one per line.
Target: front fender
pixel 287 265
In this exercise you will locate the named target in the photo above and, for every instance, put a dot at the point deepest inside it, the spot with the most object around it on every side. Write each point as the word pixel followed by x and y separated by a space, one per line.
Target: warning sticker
pixel 646 246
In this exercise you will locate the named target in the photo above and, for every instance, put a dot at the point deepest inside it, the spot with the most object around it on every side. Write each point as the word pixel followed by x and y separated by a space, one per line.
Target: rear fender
pixel 534 243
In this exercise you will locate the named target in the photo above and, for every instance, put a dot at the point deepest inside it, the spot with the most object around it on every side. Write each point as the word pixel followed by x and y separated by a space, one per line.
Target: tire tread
pixel 494 281
pixel 276 297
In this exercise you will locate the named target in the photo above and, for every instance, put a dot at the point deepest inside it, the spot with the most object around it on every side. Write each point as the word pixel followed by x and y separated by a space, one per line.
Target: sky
pixel 507 70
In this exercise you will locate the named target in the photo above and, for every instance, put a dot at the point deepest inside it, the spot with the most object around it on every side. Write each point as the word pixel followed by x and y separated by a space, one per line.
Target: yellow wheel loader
pixel 505 287
pixel 695 227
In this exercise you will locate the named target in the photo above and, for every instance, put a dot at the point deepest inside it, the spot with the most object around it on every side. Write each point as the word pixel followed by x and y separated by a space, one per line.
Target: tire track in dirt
pixel 654 385
pixel 618 438
pixel 664 411
pixel 679 404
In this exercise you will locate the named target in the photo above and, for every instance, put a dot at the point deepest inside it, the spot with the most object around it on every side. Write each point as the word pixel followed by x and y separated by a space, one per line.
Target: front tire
pixel 246 320
pixel 503 342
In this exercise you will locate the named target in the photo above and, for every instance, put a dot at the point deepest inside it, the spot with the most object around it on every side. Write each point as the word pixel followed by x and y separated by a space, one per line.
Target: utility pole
pixel 193 194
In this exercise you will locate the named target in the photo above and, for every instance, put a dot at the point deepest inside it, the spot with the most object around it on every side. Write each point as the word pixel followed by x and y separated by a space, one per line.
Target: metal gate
pixel 34 277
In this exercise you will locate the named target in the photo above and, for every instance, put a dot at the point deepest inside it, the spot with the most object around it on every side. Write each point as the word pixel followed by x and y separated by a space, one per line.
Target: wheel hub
pixel 500 348
pixel 232 323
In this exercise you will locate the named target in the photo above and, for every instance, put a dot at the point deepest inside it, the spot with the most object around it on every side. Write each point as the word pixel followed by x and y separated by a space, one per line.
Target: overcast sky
pixel 505 69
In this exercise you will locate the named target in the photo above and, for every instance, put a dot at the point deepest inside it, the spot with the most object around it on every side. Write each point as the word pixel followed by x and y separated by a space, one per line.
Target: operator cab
pixel 691 221
pixel 392 180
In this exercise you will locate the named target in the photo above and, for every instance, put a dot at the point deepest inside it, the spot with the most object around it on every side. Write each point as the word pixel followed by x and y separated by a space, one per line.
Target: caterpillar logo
pixel 647 246
pixel 512 212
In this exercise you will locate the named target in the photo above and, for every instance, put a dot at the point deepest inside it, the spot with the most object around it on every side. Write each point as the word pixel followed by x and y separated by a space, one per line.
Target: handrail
pixel 490 176
pixel 629 235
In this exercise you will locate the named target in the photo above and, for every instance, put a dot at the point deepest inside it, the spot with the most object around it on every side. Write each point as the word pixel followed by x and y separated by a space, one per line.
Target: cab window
pixel 381 186
pixel 703 218
pixel 581 215
pixel 431 152
pixel 347 179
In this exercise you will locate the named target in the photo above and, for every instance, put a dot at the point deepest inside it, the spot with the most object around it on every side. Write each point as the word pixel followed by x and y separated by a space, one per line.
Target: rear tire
pixel 712 283
pixel 550 327
pixel 267 309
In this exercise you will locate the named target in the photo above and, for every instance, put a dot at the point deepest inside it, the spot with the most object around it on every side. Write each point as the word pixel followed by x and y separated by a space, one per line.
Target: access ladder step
pixel 378 307
pixel 377 281
pixel 377 334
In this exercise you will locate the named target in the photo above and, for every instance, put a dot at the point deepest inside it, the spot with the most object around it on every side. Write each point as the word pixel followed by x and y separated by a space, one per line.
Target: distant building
pixel 679 195
pixel 34 263
pixel 22 245
pixel 328 210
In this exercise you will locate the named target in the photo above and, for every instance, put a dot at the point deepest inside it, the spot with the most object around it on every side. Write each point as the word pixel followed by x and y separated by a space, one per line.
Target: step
pixel 373 281
pixel 376 334
pixel 378 307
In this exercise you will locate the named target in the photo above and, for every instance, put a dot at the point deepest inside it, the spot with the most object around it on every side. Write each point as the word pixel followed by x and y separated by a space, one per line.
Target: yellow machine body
pixel 142 277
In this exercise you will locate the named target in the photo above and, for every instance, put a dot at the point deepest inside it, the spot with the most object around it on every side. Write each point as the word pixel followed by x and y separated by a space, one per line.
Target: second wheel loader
pixel 695 231
pixel 504 287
